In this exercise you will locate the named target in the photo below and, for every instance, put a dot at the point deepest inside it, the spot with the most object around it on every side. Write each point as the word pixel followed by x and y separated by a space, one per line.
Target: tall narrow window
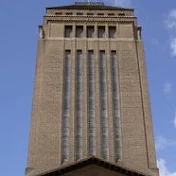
pixel 103 107
pixel 112 31
pixel 78 106
pixel 117 130
pixel 101 31
pixel 66 106
pixel 91 103
pixel 68 31
pixel 79 31
pixel 90 31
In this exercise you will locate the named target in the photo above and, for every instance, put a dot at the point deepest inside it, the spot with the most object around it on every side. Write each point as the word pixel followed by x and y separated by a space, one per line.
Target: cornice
pixel 89 19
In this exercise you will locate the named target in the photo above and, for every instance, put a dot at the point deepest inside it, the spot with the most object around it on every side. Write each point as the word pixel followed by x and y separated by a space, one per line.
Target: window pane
pixel 90 31
pixel 112 31
pixel 79 31
pixel 101 31
pixel 68 31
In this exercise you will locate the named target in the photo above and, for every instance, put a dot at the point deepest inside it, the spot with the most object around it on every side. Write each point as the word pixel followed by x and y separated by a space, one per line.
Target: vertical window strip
pixel 78 108
pixel 91 104
pixel 66 106
pixel 103 107
pixel 117 130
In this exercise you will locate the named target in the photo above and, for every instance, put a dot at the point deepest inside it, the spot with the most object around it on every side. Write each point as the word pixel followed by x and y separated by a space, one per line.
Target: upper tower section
pixel 89 12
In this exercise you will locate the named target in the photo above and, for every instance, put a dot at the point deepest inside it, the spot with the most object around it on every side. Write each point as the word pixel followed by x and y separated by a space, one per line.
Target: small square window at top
pixel 69 13
pixel 89 14
pixel 79 13
pixel 58 13
pixel 121 14
pixel 101 14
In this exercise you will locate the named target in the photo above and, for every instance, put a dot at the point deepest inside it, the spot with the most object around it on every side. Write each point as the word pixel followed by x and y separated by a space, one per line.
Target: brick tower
pixel 91 110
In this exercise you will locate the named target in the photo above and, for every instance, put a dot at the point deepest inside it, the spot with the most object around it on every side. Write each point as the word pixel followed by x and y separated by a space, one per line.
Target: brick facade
pixel 137 145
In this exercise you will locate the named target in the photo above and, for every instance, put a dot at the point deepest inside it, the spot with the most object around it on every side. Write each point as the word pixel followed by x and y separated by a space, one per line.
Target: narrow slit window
pixel 90 31
pixel 91 104
pixel 66 106
pixel 78 106
pixel 116 119
pixel 112 31
pixel 103 107
pixel 68 31
pixel 79 31
pixel 101 31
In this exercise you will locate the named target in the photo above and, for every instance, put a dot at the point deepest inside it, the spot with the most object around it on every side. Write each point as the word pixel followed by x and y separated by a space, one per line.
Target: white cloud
pixel 167 89
pixel 175 120
pixel 121 2
pixel 163 168
pixel 162 143
pixel 171 22
pixel 173 46
pixel 171 25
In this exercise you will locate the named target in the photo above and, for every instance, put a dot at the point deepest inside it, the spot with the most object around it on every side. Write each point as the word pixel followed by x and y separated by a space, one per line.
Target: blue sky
pixel 18 41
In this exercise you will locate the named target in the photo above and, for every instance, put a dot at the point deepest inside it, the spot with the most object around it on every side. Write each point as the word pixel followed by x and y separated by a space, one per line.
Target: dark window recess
pixel 68 31
pixel 69 13
pixel 90 31
pixel 58 13
pixel 112 31
pixel 101 14
pixel 79 14
pixel 79 31
pixel 90 14
pixel 101 31
pixel 121 14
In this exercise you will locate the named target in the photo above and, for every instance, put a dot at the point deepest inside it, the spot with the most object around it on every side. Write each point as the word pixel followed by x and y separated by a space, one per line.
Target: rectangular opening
pixel 89 14
pixel 69 13
pixel 68 31
pixel 58 13
pixel 121 14
pixel 101 31
pixel 79 31
pixel 79 13
pixel 111 14
pixel 90 31
pixel 101 14
pixel 112 31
